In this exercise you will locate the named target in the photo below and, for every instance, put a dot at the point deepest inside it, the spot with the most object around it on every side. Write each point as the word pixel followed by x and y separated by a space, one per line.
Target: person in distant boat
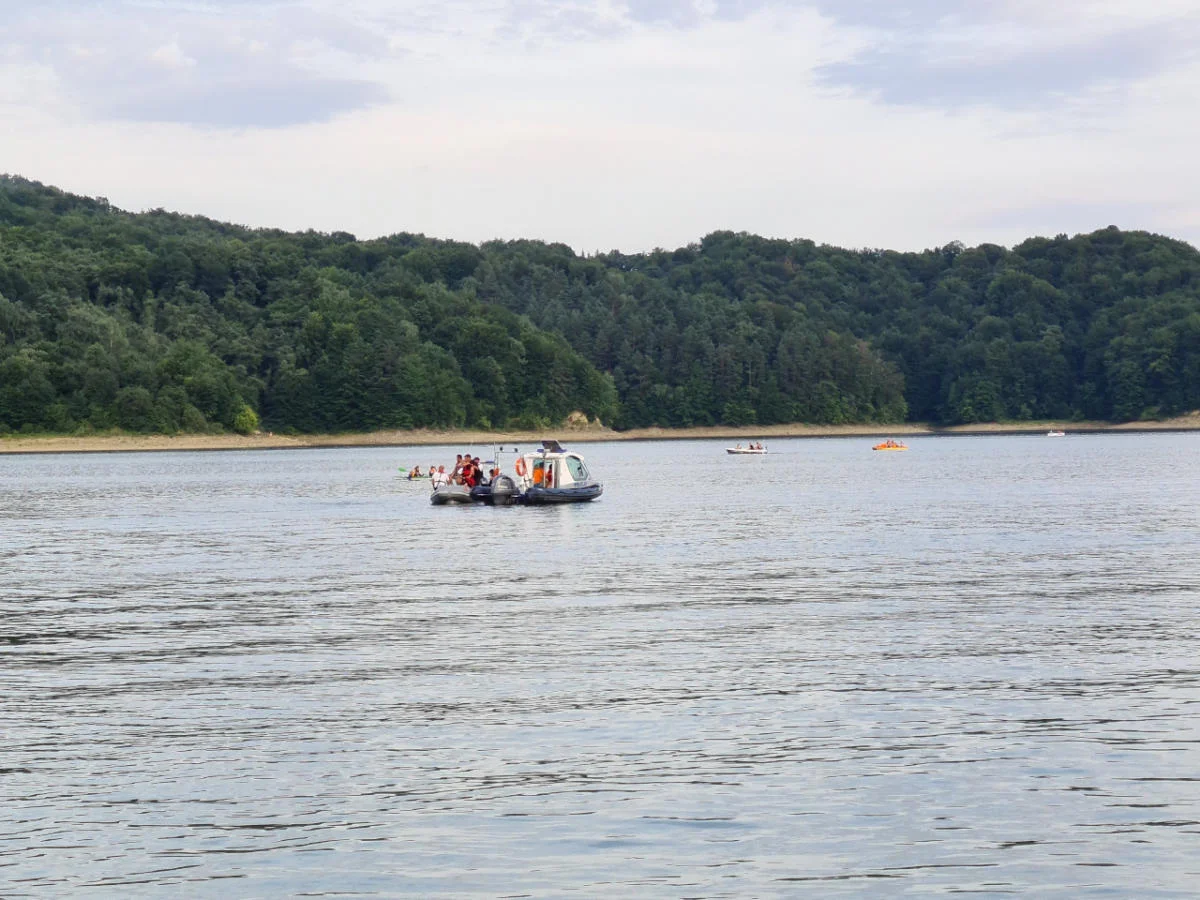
pixel 415 473
pixel 539 473
pixel 738 447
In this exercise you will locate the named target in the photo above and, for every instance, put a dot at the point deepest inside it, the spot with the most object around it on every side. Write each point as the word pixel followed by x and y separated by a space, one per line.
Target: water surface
pixel 972 667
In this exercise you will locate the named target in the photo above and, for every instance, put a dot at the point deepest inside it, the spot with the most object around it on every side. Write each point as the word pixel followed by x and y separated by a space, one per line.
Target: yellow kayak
pixel 889 445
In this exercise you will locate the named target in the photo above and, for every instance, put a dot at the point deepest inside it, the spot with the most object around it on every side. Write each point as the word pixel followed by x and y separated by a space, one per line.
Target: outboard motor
pixel 504 490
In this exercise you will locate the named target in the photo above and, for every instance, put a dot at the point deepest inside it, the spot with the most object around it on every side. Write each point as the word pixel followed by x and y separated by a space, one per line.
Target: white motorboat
pixel 739 450
pixel 554 474
pixel 1056 434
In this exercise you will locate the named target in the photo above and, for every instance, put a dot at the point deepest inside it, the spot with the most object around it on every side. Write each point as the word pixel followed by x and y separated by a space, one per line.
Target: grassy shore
pixel 116 443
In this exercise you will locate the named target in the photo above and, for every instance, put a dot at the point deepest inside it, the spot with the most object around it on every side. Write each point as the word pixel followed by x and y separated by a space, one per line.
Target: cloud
pixel 1007 55
pixel 169 55
pixel 312 60
pixel 219 65
pixel 234 104
pixel 617 123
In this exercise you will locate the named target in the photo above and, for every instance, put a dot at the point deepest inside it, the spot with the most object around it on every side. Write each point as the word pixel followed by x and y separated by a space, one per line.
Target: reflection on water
pixel 971 667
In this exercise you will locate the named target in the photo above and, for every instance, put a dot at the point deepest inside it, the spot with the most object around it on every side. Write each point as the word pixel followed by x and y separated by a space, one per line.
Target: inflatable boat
pixel 450 493
pixel 555 475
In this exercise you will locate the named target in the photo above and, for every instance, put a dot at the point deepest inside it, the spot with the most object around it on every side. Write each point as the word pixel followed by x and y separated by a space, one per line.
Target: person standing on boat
pixel 440 477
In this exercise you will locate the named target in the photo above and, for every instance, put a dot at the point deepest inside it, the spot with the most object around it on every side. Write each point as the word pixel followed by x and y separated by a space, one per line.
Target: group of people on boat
pixel 752 446
pixel 467 471
pixel 889 443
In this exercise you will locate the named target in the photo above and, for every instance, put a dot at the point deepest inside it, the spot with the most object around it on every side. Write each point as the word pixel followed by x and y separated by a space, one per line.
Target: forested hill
pixel 163 322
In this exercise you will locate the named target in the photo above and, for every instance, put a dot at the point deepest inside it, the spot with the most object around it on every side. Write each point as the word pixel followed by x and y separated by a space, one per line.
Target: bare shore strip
pixel 129 443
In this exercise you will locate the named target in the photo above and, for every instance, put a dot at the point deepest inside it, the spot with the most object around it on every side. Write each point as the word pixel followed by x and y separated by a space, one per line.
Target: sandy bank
pixel 118 443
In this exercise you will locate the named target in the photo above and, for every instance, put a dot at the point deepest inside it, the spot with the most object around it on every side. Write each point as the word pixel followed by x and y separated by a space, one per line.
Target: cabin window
pixel 578 470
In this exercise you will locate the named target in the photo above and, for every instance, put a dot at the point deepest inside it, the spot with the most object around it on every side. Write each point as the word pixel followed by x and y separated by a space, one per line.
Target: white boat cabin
pixel 552 467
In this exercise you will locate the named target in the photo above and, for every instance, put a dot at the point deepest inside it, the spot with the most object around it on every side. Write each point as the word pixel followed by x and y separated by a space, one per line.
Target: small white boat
pixel 1056 434
pixel 757 451
pixel 554 474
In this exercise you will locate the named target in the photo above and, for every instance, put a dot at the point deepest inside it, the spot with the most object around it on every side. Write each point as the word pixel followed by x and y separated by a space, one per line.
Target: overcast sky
pixel 618 124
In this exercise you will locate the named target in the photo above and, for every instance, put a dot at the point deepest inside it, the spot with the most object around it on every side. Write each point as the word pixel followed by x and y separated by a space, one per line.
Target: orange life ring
pixel 520 466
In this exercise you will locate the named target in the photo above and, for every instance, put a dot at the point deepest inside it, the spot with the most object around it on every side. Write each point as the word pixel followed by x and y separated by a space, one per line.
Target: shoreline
pixel 142 443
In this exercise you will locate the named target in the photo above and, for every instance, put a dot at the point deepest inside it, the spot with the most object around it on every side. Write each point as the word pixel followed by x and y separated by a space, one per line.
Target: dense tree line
pixel 163 322
pixel 739 328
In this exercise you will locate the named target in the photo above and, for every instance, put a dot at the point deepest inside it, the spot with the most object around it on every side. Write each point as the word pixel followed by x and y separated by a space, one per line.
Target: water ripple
pixel 969 668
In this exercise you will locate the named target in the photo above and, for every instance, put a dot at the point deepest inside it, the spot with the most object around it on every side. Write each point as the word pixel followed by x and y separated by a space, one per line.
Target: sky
pixel 617 124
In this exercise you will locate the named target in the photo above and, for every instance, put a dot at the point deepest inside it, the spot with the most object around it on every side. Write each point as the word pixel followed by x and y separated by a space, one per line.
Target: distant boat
pixel 757 451
pixel 890 445
pixel 1056 434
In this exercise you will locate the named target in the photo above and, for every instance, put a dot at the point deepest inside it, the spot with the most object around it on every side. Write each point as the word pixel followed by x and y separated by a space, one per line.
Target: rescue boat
pixel 554 474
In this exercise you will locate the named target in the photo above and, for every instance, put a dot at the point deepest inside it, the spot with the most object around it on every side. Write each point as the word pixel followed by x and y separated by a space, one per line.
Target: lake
pixel 971 667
